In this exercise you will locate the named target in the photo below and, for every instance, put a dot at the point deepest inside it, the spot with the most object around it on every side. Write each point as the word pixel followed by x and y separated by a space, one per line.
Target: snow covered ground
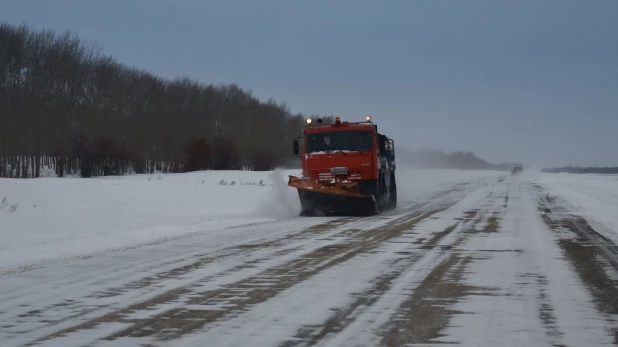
pixel 469 257
pixel 51 219
pixel 595 197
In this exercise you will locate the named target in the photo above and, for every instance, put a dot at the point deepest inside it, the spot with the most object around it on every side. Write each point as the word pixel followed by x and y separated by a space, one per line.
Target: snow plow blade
pixel 340 198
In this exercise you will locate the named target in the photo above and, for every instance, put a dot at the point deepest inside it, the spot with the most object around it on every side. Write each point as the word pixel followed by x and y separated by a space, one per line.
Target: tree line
pixel 67 106
pixel 581 170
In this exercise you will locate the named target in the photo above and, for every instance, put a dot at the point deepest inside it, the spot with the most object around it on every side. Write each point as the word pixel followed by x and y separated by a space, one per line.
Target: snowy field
pixel 51 219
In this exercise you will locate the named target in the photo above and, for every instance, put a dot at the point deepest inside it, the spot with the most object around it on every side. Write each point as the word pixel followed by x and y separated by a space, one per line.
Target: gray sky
pixel 533 81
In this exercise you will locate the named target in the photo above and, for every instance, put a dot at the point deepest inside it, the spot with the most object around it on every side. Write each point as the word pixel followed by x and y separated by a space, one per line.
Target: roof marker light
pixel 368 118
pixel 309 121
pixel 337 120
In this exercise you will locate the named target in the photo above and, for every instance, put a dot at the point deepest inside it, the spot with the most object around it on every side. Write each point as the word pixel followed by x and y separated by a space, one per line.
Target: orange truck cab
pixel 345 166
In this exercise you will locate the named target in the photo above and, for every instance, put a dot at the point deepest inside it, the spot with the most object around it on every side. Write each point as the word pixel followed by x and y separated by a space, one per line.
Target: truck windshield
pixel 360 141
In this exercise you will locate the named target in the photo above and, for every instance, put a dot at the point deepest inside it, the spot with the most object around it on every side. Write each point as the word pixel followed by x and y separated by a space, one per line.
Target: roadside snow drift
pixel 67 217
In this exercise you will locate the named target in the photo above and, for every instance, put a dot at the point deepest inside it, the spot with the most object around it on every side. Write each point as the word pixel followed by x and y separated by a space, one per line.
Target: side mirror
pixel 296 147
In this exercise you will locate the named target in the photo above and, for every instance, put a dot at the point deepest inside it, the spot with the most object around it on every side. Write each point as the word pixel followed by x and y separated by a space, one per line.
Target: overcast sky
pixel 533 81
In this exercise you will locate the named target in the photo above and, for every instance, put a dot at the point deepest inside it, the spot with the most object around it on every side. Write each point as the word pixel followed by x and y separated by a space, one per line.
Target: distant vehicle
pixel 516 170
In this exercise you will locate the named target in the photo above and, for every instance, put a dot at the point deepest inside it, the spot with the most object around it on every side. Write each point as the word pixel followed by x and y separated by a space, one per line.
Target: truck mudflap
pixel 337 198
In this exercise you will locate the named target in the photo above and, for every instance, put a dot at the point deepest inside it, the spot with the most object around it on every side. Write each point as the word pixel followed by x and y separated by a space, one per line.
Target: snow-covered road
pixel 492 261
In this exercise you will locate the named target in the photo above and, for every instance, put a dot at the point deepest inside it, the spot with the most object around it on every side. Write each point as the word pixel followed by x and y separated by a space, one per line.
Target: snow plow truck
pixel 348 168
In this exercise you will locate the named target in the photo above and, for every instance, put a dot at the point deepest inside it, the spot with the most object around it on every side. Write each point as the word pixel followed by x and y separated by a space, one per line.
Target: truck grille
pixel 325 176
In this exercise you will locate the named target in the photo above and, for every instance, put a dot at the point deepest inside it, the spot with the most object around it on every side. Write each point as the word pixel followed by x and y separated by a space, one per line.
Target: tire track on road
pixel 425 314
pixel 241 296
pixel 590 253
pixel 417 261
pixel 311 335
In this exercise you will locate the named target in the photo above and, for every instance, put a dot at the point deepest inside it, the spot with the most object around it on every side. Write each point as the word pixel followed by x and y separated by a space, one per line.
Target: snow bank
pixel 64 218
pixel 51 217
